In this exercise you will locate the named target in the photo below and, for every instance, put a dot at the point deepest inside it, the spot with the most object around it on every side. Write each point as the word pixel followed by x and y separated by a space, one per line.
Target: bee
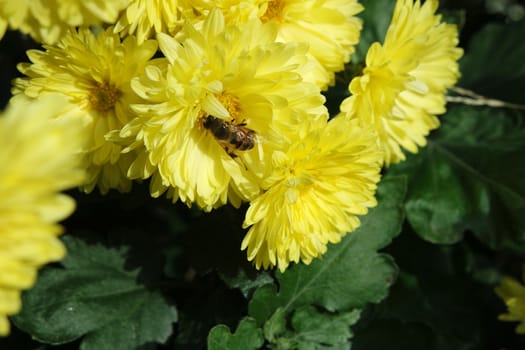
pixel 231 136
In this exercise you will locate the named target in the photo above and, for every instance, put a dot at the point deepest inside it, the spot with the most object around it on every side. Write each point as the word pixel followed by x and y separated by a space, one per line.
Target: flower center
pixel 103 96
pixel 297 184
pixel 231 103
pixel 298 179
pixel 274 12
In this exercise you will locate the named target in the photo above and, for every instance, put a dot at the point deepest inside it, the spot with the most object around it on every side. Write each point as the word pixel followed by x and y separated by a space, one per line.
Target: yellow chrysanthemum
pixel 94 72
pixel 319 185
pixel 329 27
pixel 403 86
pixel 40 158
pixel 513 294
pixel 48 20
pixel 234 78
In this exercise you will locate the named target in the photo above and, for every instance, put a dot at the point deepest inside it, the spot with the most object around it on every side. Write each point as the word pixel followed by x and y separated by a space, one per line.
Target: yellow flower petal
pixel 513 294
pixel 145 18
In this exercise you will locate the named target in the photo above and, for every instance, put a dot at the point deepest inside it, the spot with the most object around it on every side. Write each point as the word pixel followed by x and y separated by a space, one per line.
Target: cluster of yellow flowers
pixel 230 109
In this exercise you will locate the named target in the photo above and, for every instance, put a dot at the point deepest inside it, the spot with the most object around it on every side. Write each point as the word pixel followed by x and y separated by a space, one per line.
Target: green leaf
pixel 275 327
pixel 310 329
pixel 437 301
pixel 351 274
pixel 315 330
pixel 419 301
pixel 246 337
pixel 246 281
pixel 470 177
pixel 493 62
pixel 96 297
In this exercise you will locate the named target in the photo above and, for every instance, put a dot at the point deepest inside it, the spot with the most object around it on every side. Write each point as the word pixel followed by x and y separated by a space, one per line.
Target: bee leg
pixel 230 152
